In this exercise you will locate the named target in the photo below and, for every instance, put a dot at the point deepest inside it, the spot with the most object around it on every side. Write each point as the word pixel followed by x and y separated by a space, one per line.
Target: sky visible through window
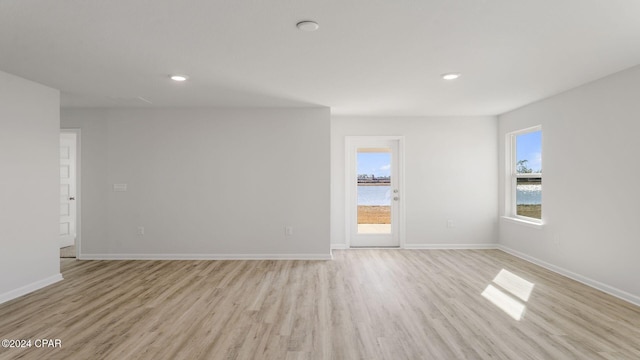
pixel 529 147
pixel 374 163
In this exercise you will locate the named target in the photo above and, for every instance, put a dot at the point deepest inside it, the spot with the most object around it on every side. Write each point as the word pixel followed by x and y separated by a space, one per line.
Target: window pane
pixel 529 197
pixel 528 160
pixel 374 191
pixel 529 152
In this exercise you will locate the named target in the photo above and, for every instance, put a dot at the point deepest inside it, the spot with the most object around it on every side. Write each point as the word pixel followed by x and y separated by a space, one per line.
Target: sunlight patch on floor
pixel 506 303
pixel 514 292
pixel 514 284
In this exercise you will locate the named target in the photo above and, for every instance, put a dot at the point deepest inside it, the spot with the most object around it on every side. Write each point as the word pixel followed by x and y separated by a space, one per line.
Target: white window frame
pixel 511 207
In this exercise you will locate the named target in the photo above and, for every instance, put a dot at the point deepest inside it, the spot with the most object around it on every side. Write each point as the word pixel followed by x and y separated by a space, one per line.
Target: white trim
pixel 526 130
pixel 621 294
pixel 16 293
pixel 402 224
pixel 78 132
pixel 451 246
pixel 531 224
pixel 511 208
pixel 424 247
pixel 205 256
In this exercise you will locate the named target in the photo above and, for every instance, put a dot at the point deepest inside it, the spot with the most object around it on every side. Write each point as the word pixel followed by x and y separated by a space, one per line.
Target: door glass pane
pixel 374 190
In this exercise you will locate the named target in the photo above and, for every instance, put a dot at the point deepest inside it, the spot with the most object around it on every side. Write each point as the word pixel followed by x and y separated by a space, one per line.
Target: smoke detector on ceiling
pixel 308 25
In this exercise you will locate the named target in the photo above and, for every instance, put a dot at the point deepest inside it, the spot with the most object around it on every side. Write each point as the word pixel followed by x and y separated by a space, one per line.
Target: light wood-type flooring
pixel 365 304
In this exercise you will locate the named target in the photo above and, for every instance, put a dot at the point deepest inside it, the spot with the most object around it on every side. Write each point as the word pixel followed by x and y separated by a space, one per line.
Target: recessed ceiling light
pixel 179 77
pixel 308 25
pixel 451 76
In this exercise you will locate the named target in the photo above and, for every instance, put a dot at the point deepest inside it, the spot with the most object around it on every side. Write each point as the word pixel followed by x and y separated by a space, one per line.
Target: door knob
pixel 72 198
pixel 396 198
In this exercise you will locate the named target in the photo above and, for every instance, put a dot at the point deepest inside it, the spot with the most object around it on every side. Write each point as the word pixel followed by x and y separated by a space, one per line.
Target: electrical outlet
pixel 288 230
pixel 449 223
pixel 140 230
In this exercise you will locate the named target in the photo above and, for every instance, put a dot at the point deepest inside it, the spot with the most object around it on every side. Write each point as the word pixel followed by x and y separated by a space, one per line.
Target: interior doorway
pixel 374 191
pixel 69 191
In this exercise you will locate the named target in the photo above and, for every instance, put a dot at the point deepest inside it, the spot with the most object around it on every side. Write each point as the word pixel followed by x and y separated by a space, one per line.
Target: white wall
pixel 204 183
pixel 591 149
pixel 450 173
pixel 29 186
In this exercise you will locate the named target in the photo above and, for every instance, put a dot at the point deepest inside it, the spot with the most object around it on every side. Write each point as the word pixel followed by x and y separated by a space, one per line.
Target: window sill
pixel 531 224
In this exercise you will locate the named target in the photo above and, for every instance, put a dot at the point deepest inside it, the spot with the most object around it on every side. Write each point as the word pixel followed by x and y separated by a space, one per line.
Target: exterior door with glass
pixel 373 192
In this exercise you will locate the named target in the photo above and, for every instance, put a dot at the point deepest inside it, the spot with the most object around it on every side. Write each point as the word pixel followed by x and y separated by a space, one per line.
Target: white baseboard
pixel 450 246
pixel 205 256
pixel 10 295
pixel 431 246
pixel 621 294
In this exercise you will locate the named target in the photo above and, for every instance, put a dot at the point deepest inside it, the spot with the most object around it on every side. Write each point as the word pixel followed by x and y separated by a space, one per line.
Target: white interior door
pixel 373 192
pixel 67 189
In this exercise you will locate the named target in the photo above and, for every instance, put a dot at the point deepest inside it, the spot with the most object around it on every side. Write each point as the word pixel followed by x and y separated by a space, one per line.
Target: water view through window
pixel 529 174
pixel 374 190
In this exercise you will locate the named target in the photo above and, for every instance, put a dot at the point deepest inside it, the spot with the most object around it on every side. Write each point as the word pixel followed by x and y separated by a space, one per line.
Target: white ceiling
pixel 369 57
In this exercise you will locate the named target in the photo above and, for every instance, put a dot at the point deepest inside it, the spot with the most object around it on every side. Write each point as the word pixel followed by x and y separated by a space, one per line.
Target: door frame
pixel 78 200
pixel 351 141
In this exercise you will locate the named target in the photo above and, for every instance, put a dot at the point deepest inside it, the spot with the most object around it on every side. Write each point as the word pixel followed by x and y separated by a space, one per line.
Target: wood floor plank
pixel 365 304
